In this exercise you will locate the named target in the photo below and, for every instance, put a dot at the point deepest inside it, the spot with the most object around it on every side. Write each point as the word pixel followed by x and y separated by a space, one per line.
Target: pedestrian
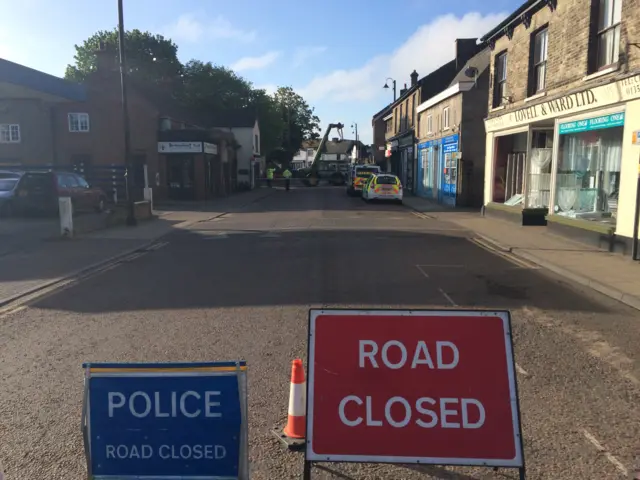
pixel 269 176
pixel 287 178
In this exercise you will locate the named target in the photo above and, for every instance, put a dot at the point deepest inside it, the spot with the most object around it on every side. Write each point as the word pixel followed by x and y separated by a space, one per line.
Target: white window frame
pixel 609 18
pixel 540 63
pixel 79 116
pixel 429 124
pixel 10 130
pixel 445 118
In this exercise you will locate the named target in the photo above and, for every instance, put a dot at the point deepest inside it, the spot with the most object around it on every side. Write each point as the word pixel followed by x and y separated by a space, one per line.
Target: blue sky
pixel 336 55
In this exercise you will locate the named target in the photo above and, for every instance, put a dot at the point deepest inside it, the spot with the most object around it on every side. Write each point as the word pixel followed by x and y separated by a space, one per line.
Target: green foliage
pixel 285 118
pixel 149 57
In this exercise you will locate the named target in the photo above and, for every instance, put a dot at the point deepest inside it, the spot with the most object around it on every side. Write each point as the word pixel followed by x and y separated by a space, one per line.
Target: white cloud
pixel 255 63
pixel 431 46
pixel 192 28
pixel 302 54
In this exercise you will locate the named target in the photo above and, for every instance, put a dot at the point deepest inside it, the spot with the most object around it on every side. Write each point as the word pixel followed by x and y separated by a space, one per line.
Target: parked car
pixel 36 191
pixel 8 184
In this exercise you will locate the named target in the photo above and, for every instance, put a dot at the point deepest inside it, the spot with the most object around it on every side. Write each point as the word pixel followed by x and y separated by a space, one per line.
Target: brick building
pixel 400 118
pixel 50 123
pixel 563 106
pixel 451 137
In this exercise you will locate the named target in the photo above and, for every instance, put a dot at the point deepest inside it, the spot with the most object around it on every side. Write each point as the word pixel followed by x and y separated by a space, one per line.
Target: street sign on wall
pixel 166 420
pixel 429 387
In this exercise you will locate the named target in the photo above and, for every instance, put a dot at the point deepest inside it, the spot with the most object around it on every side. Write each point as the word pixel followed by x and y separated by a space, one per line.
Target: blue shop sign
pixel 450 143
pixel 596 123
pixel 166 420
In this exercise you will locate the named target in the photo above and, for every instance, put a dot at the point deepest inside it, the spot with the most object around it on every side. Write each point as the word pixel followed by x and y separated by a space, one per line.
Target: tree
pixel 213 88
pixel 270 120
pixel 300 121
pixel 150 57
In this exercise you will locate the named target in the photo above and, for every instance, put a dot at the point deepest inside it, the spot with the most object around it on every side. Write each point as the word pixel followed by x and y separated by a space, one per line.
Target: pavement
pixel 608 273
pixel 239 285
pixel 35 256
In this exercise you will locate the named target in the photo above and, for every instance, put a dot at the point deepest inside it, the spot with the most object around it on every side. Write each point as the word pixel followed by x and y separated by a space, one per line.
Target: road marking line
pixel 426 275
pixel 507 256
pixel 449 299
pixel 11 311
pixel 423 216
pixel 158 246
pixel 616 463
pixel 521 370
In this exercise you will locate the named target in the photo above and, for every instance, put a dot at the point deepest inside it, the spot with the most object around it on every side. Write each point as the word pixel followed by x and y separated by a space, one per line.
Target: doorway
pixel 180 177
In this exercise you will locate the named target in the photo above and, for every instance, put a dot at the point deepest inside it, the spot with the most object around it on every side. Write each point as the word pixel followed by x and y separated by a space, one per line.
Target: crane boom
pixel 323 145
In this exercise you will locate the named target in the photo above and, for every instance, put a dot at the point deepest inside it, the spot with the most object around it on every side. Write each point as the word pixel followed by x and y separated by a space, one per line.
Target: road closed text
pixel 165 452
pixel 396 411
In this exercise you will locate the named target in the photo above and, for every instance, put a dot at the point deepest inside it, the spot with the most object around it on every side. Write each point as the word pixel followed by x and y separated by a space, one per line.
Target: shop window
pixel 509 169
pixel 538 182
pixel 538 65
pixel 588 177
pixel 500 79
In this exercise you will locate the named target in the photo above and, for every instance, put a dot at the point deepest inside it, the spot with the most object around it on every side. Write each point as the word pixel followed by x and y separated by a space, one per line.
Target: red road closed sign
pixel 434 387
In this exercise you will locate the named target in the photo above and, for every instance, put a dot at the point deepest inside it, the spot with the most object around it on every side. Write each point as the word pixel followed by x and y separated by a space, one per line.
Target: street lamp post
pixel 131 218
pixel 386 85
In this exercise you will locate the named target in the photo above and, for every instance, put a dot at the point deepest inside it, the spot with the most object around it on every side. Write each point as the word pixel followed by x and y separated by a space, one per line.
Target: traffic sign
pixel 413 386
pixel 166 420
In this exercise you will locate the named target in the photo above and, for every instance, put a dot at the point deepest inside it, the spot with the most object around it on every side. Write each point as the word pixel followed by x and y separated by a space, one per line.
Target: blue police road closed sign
pixel 166 421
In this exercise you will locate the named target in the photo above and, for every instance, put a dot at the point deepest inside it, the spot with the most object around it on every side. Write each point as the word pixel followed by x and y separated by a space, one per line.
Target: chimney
pixel 106 59
pixel 465 49
pixel 414 78
pixel 403 90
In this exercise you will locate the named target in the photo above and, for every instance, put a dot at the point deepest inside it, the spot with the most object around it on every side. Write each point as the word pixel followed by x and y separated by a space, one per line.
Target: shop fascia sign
pixel 572 103
pixel 179 147
pixel 596 123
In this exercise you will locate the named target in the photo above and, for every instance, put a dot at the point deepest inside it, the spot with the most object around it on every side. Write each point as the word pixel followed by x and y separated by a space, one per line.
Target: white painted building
pixel 304 158
pixel 246 129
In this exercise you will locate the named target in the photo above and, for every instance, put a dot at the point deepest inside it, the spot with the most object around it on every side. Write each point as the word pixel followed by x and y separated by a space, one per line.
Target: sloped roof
pixel 480 61
pixel 17 74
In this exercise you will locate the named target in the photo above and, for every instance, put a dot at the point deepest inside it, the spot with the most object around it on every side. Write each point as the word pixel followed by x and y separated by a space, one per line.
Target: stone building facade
pixel 564 101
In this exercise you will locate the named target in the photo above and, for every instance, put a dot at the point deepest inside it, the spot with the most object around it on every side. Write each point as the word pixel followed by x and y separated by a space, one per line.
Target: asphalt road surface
pixel 241 287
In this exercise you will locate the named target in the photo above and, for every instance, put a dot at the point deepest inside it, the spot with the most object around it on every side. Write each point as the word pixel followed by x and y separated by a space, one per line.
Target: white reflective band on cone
pixel 298 399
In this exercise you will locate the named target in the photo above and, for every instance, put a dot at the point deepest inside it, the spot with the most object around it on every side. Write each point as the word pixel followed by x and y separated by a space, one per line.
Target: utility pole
pixel 131 217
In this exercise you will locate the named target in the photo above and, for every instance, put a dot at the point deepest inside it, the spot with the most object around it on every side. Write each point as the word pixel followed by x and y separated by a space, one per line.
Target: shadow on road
pixel 199 270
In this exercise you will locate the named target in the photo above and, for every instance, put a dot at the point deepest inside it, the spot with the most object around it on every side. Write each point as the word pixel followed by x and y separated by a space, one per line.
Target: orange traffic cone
pixel 293 434
pixel 297 421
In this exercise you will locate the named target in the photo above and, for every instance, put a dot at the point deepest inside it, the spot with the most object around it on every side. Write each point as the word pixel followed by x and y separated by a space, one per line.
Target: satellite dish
pixel 472 72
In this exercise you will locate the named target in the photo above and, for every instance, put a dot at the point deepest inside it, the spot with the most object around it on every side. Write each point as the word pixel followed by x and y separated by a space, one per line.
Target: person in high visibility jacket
pixel 287 178
pixel 270 171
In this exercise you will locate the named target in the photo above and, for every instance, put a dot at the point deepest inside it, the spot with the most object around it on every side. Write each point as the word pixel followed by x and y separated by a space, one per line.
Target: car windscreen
pixel 386 180
pixel 8 181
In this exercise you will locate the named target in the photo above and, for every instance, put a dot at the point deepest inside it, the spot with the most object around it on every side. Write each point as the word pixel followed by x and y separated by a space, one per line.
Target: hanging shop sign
pixel 596 123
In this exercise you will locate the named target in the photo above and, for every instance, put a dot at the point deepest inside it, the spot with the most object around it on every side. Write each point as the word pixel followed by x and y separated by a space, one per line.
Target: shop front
pixel 437 169
pixel 189 170
pixel 569 161
pixel 405 166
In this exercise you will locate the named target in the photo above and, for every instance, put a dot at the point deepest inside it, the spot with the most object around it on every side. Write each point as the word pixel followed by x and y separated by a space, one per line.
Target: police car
pixel 359 177
pixel 383 186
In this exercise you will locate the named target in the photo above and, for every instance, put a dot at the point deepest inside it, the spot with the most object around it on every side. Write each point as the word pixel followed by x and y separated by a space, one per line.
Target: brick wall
pixel 454 104
pixel 36 146
pixel 472 138
pixel 568 47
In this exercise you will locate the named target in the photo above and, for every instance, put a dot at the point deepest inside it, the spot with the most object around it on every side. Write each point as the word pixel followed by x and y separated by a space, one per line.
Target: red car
pixel 39 191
